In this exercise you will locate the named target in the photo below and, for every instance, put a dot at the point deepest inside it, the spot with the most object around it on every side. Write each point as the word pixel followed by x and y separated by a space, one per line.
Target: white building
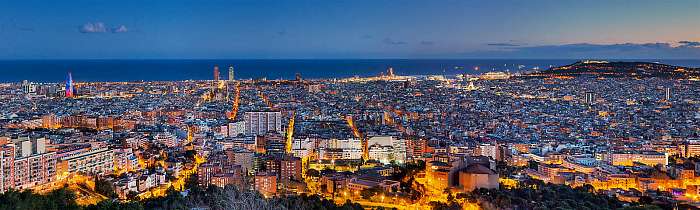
pixel 96 161
pixel 236 128
pixel 340 149
pixel 302 147
pixel 487 150
pixel 166 139
pixel 259 123
pixel 386 149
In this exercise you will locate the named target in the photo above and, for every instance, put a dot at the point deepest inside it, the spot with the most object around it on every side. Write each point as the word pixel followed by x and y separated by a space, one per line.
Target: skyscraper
pixel 230 73
pixel 668 94
pixel 261 122
pixel 390 72
pixel 590 98
pixel 216 73
pixel 69 85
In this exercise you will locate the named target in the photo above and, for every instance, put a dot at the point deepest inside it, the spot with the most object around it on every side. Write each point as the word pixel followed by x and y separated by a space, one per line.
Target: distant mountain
pixel 620 69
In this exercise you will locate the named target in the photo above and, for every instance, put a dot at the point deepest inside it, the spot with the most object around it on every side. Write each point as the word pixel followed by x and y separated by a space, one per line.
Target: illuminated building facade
pixel 70 91
pixel 25 163
pixel 290 169
pixel 231 74
pixel 216 73
pixel 650 158
pixel 259 123
pixel 266 183
pixel 96 161
pixel 477 176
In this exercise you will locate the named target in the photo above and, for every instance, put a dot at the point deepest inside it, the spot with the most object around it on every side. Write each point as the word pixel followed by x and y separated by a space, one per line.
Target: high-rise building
pixel 259 123
pixel 390 72
pixel 216 73
pixel 590 98
pixel 69 86
pixel 266 183
pixel 230 73
pixel 290 168
pixel 28 87
pixel 668 94
pixel 25 163
pixel 96 161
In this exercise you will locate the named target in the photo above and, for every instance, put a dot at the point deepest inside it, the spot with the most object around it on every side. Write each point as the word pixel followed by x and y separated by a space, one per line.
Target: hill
pixel 620 69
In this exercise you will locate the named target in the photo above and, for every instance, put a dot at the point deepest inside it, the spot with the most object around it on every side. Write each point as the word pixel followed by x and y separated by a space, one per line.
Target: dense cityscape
pixel 488 141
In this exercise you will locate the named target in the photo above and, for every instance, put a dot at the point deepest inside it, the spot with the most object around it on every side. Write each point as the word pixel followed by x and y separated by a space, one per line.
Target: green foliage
pixel 642 207
pixel 313 173
pixel 531 164
pixel 535 194
pixel 105 188
pixel 61 199
pixel 115 205
pixel 214 198
pixel 190 154
pixel 369 192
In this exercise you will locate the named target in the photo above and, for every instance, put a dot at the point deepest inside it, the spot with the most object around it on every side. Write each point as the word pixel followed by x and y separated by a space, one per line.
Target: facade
pixel 477 176
pixel 650 158
pixel 302 147
pixel 231 74
pixel 487 150
pixel 216 73
pixel 125 159
pixel 386 149
pixel 340 149
pixel 290 169
pixel 236 128
pixel 266 183
pixel 259 123
pixel 25 163
pixel 166 139
pixel 69 86
pixel 96 161
pixel 690 148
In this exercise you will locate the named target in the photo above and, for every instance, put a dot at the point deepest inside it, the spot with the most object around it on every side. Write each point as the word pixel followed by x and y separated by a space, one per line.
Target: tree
pixel 532 164
pixel 369 192
pixel 645 200
pixel 105 188
pixel 313 173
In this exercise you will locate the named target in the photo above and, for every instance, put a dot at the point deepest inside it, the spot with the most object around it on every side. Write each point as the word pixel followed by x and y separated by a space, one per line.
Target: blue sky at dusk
pixel 92 29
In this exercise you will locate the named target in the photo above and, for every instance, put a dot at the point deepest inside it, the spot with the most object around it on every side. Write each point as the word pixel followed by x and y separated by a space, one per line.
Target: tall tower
pixel 69 85
pixel 668 94
pixel 230 73
pixel 590 98
pixel 390 72
pixel 216 72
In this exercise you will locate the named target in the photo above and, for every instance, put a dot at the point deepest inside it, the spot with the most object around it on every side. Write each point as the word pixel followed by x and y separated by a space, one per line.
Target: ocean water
pixel 170 70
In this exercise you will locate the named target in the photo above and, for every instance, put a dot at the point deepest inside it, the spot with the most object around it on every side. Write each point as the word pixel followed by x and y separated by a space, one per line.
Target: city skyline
pixel 357 29
pixel 353 105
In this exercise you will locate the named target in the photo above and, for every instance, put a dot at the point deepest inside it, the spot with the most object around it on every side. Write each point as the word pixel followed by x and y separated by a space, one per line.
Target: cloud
pixel 503 44
pixel 120 29
pixel 659 50
pixel 282 33
pixel 366 36
pixel 98 27
pixel 689 44
pixel 389 41
pixel 427 42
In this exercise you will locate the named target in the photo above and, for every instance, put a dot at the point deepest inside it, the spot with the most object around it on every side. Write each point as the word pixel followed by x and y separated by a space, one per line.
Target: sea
pixel 184 69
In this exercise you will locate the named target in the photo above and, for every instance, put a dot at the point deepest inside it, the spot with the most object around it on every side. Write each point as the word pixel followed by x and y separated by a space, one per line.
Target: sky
pixel 327 29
